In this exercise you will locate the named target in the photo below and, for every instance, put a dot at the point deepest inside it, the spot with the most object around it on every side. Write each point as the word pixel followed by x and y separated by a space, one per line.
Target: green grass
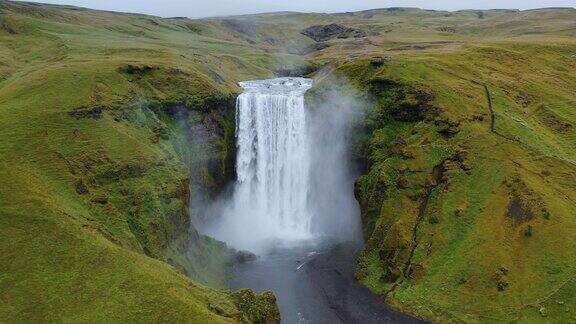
pixel 455 266
pixel 85 100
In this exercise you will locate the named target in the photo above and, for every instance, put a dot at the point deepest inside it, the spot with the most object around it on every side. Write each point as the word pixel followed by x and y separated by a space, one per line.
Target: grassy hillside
pixel 468 203
pixel 115 127
pixel 104 118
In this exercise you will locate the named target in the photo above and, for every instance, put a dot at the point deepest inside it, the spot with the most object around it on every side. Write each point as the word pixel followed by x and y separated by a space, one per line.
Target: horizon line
pixel 284 11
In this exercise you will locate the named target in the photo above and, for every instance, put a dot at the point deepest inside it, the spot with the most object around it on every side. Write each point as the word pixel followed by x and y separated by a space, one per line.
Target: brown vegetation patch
pixel 81 187
pixel 127 171
pixel 87 112
pixel 553 121
pixel 136 72
pixel 6 26
pixel 501 279
pixel 518 211
pixel 448 128
pixel 390 259
pixel 446 29
pixel 403 102
pixel 425 46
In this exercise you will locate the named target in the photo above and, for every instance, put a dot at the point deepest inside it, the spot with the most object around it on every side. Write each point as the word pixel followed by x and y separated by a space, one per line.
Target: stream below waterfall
pixel 314 283
pixel 293 206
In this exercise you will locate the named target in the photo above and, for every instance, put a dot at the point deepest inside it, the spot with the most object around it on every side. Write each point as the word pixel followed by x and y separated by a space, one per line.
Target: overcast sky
pixel 207 8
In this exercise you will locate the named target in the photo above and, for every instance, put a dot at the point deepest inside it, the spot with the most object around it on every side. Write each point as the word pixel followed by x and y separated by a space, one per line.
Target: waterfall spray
pixel 293 181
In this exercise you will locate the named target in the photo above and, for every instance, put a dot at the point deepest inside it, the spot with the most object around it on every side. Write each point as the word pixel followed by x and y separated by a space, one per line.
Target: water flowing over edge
pixel 270 198
pixel 279 85
pixel 294 179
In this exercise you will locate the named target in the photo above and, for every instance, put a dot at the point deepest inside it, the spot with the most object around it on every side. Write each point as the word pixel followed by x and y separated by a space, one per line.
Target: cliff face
pixel 198 142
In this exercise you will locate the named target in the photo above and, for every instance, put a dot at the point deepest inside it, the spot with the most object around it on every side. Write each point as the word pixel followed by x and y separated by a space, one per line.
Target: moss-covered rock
pixel 257 308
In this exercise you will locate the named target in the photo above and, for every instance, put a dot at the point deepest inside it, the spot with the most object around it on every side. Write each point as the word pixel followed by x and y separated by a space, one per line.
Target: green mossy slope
pixel 468 205
pixel 109 132
pixel 470 189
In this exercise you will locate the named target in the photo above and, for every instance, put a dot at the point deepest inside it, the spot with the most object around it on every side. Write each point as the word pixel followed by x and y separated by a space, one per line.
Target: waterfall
pixel 270 199
pixel 293 201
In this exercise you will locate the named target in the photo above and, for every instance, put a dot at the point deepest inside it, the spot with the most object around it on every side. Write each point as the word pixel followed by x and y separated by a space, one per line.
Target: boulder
pixel 243 256
pixel 379 61
pixel 256 308
pixel 81 188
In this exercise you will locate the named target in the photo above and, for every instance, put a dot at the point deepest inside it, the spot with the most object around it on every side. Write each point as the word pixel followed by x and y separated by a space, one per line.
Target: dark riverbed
pixel 314 283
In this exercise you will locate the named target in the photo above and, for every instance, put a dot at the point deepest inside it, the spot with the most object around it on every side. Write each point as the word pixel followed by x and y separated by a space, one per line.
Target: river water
pixel 314 283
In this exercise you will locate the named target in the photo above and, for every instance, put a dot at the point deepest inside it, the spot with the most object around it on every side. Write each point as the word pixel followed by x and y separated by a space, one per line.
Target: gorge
pixel 293 206
pixel 429 166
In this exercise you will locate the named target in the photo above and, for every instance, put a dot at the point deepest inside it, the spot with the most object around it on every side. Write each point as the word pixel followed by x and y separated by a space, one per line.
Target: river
pixel 314 283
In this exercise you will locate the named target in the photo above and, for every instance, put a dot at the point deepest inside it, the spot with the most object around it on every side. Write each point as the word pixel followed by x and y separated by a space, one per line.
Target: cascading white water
pixel 273 160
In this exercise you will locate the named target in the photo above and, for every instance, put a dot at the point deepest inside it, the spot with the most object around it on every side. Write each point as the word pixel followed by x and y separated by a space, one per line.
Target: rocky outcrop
pixel 380 61
pixel 298 71
pixel 321 33
pixel 242 256
pixel 87 112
